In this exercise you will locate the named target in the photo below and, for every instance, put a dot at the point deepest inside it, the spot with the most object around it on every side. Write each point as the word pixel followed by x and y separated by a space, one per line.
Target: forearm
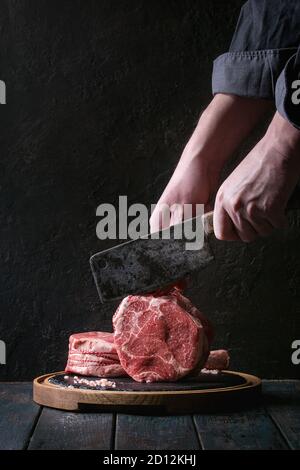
pixel 222 127
pixel 286 140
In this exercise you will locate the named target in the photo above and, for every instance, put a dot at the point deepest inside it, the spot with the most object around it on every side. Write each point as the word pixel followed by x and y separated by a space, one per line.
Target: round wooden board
pixel 179 397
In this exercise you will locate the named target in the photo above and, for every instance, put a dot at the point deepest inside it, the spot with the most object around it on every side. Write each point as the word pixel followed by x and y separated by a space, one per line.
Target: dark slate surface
pixel 100 102
pixel 204 381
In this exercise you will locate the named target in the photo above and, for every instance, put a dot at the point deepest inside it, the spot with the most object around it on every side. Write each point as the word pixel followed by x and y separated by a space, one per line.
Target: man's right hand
pixel 252 201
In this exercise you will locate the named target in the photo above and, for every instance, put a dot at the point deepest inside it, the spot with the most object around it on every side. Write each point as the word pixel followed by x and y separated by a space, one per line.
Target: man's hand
pixel 252 200
pixel 220 130
pixel 191 183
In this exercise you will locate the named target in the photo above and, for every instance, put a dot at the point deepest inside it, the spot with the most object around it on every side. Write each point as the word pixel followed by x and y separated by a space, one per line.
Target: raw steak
pixel 185 303
pixel 94 353
pixel 217 360
pixel 160 338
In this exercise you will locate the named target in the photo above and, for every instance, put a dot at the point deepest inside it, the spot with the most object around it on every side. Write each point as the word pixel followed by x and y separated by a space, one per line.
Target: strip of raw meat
pixel 157 339
pixel 217 360
pixel 94 353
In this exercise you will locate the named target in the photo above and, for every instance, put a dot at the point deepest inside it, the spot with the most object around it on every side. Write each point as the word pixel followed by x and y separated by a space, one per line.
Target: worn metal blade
pixel 148 263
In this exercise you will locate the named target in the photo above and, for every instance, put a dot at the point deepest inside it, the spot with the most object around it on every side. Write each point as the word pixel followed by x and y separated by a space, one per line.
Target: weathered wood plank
pixel 247 430
pixel 18 414
pixel 155 432
pixel 282 401
pixel 64 430
pixel 275 427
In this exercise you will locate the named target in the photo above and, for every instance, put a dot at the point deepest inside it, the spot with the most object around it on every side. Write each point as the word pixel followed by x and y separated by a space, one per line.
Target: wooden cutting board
pixel 209 392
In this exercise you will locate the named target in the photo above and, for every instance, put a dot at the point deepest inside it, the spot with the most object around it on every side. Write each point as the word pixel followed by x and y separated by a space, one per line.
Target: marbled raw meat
pixel 160 337
pixel 94 354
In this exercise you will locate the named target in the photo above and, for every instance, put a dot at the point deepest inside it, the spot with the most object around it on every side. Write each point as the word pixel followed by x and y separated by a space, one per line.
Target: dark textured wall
pixel 101 98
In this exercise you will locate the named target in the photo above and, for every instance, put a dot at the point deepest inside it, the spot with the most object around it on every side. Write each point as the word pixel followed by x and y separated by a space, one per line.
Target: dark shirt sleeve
pixel 287 91
pixel 263 60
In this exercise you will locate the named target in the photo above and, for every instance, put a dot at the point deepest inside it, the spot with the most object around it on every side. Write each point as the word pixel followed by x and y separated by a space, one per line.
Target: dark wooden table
pixel 275 424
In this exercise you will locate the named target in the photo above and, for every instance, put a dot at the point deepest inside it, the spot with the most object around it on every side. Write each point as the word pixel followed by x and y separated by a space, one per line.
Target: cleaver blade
pixel 153 261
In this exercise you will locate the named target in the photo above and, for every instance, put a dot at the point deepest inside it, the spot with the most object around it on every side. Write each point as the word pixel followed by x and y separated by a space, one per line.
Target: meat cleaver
pixel 153 261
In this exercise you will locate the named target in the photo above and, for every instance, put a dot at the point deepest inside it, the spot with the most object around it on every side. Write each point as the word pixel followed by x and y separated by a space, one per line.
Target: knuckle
pixel 220 197
pixel 267 207
pixel 235 204
pixel 252 210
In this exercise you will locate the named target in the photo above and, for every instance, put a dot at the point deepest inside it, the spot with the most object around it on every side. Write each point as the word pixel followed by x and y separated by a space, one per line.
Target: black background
pixel 101 99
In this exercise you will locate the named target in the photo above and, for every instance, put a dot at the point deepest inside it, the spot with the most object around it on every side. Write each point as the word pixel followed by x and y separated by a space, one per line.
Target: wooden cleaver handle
pixel 208 224
pixel 207 219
